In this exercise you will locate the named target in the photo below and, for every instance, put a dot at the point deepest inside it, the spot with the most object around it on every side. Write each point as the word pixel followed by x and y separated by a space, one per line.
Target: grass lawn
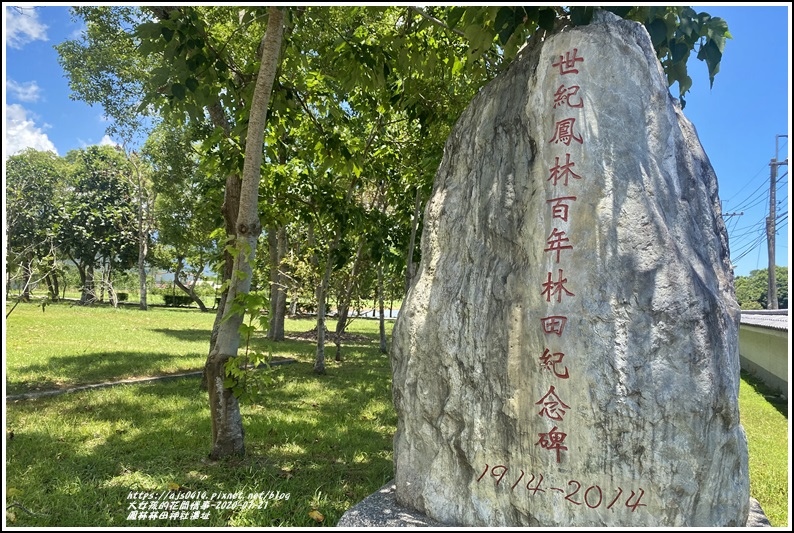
pixel 316 446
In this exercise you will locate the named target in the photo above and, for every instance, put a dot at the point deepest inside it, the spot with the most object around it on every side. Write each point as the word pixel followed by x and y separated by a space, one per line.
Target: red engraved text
pixel 551 287
pixel 553 440
pixel 564 132
pixel 553 407
pixel 550 362
pixel 562 172
pixel 564 96
pixel 559 207
pixel 568 63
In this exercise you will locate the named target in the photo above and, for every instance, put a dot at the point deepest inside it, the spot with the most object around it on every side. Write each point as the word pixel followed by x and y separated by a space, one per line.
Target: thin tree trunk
pixel 320 294
pixel 276 238
pixel 230 210
pixel 344 302
pixel 227 424
pixel 27 276
pixel 410 269
pixel 281 307
pixel 89 291
pixel 382 319
pixel 190 291
pixel 143 243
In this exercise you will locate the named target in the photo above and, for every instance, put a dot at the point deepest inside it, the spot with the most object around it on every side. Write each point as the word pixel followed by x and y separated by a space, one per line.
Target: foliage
pixel 751 291
pixel 675 31
pixel 98 222
pixel 248 375
pixel 35 184
pixel 105 67
pixel 187 209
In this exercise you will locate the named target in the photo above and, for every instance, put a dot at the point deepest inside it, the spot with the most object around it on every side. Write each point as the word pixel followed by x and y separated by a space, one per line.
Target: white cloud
pixel 107 141
pixel 24 92
pixel 22 132
pixel 23 26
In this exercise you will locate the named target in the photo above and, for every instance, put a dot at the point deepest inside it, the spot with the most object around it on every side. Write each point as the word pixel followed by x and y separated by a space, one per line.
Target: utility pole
pixel 771 291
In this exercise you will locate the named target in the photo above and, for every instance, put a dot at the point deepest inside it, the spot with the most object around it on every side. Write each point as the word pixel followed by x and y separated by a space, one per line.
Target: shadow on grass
pixel 97 367
pixel 772 396
pixel 318 439
pixel 192 335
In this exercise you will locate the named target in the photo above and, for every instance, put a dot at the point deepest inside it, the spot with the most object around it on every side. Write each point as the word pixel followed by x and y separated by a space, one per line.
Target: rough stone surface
pixel 637 422
pixel 380 509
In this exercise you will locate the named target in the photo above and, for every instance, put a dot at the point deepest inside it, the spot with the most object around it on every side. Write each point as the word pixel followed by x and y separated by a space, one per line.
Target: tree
pixel 187 208
pixel 34 183
pixel 226 420
pixel 751 291
pixel 97 224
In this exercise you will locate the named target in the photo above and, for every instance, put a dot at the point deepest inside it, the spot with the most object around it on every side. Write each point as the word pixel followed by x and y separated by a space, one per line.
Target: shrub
pixel 176 300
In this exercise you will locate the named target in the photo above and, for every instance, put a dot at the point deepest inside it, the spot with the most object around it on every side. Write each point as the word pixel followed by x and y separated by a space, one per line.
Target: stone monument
pixel 567 354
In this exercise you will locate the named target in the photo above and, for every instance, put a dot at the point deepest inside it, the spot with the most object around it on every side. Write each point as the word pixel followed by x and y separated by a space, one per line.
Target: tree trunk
pixel 227 424
pixel 143 243
pixel 382 319
pixel 102 283
pixel 321 293
pixel 53 285
pixel 190 291
pixel 27 277
pixel 88 295
pixel 276 238
pixel 230 210
pixel 343 305
pixel 319 361
pixel 410 269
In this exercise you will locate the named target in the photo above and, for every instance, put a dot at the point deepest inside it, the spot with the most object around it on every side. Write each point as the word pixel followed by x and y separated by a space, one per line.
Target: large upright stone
pixel 568 355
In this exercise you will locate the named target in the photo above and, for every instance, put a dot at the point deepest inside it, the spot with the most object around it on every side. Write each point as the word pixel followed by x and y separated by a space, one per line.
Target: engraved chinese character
pixel 564 94
pixel 555 243
pixel 559 209
pixel 563 132
pixel 550 288
pixel 568 65
pixel 553 407
pixel 554 324
pixel 549 361
pixel 558 172
pixel 553 440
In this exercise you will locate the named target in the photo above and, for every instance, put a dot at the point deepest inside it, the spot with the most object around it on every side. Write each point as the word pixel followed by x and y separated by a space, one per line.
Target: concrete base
pixel 381 509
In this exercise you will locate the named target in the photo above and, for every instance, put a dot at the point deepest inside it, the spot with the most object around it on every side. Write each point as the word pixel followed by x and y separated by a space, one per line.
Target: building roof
pixel 770 318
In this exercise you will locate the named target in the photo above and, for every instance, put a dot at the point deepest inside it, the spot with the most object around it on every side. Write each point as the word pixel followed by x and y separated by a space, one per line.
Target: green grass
pixel 67 344
pixel 73 459
pixel 765 419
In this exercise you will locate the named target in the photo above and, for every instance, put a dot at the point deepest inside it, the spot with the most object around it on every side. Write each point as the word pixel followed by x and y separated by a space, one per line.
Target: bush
pixel 176 300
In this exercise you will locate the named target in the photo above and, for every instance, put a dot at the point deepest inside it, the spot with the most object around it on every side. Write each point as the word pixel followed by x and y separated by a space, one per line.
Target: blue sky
pixel 737 120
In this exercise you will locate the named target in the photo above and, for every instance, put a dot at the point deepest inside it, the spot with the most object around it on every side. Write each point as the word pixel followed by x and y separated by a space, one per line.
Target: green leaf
pixel 167 33
pixel 546 18
pixel 581 15
pixel 503 18
pixel 657 29
pixel 178 90
pixel 620 11
pixel 710 53
pixel 192 84
pixel 679 51
pixel 454 16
